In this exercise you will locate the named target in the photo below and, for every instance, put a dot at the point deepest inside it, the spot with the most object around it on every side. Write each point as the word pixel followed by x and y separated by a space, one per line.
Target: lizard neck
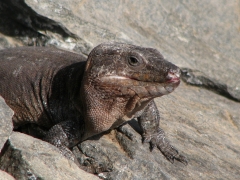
pixel 107 108
pixel 100 112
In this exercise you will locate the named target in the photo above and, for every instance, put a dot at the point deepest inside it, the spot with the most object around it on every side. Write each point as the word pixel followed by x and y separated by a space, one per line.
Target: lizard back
pixel 29 75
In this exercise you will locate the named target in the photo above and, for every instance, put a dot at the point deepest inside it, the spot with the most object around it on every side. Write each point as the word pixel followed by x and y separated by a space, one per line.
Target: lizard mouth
pixel 173 77
pixel 141 88
pixel 173 80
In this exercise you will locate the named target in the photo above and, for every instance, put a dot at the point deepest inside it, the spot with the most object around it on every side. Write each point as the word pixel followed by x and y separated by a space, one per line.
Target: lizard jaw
pixel 141 88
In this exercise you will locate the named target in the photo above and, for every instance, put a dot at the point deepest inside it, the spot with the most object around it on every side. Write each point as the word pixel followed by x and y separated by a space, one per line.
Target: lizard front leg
pixel 152 133
pixel 65 135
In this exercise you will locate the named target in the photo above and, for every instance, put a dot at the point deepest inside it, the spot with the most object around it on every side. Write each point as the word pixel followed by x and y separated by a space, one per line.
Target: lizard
pixel 75 98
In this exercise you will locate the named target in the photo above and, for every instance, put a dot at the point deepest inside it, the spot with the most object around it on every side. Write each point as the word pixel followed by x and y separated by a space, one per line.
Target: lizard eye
pixel 133 61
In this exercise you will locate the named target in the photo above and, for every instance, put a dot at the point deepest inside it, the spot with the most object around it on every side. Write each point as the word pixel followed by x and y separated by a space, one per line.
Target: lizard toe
pixel 182 159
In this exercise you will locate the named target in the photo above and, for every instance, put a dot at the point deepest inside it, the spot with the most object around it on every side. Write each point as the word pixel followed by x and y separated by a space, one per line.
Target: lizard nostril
pixel 173 76
pixel 174 73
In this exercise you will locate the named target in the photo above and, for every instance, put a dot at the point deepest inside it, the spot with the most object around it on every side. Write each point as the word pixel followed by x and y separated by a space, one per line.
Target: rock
pixel 6 125
pixel 196 78
pixel 189 34
pixel 25 157
pixel 5 176
pixel 199 35
pixel 206 132
pixel 205 126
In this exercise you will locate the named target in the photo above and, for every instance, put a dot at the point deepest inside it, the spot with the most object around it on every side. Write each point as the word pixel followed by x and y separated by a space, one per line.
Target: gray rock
pixel 204 131
pixel 197 78
pixel 5 176
pixel 200 35
pixel 207 134
pixel 25 157
pixel 6 125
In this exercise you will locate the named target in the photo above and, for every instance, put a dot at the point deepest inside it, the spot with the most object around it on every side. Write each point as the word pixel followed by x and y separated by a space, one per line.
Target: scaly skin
pixel 76 99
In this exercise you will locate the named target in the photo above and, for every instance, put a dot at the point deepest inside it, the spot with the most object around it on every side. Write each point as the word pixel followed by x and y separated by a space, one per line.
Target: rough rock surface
pixel 197 78
pixel 201 35
pixel 6 125
pixel 26 157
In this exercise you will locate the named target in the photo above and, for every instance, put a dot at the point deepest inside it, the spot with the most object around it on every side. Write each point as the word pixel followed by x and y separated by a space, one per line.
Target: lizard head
pixel 127 69
pixel 119 81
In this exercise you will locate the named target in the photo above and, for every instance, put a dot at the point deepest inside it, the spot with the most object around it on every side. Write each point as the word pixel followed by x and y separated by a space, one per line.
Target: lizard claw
pixel 178 157
pixel 160 141
pixel 182 159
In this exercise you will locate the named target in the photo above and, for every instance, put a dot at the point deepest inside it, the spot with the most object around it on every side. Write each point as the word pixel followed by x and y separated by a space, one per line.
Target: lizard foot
pixel 159 140
pixel 94 167
pixel 127 130
pixel 90 163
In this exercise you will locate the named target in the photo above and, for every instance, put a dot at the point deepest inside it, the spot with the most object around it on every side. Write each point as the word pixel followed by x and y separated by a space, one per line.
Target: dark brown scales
pixel 76 99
